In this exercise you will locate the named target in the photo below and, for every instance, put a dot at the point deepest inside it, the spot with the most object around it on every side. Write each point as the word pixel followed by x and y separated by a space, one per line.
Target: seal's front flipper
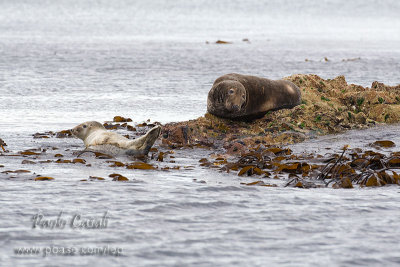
pixel 81 152
pixel 98 154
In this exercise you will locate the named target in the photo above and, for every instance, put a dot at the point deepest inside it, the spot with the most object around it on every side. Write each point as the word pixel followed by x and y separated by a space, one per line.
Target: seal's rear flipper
pixel 145 142
pixel 139 153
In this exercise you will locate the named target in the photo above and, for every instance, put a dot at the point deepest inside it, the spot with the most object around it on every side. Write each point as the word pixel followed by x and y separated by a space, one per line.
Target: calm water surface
pixel 65 62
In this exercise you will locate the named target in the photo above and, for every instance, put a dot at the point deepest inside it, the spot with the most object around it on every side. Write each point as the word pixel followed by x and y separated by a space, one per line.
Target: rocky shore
pixel 328 106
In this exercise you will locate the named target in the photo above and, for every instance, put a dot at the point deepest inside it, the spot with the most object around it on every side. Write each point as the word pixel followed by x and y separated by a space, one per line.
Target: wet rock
pixel 222 42
pixel 118 177
pixel 383 143
pixel 141 166
pixel 131 128
pixel 29 153
pixel 290 137
pixel 236 148
pixel 43 178
pixel 43 135
pixel 176 134
pixel 121 119
pixel 63 161
pixel 64 134
pixel 81 161
pixel 25 161
pixel 96 178
pixel 115 163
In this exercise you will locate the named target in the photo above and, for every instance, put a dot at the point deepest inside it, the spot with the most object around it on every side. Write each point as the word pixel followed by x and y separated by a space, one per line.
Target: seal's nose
pixel 235 108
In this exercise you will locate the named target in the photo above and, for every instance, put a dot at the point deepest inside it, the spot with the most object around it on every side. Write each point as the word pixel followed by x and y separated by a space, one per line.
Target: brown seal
pixel 244 97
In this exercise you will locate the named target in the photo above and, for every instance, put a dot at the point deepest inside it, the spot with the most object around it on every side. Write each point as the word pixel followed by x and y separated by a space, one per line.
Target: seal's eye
pixel 84 126
pixel 231 91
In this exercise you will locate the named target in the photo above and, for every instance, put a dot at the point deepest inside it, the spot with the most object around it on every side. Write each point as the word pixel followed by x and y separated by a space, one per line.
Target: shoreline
pixel 256 148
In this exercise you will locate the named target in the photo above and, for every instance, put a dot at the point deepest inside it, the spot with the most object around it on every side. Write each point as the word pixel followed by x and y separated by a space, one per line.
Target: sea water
pixel 65 62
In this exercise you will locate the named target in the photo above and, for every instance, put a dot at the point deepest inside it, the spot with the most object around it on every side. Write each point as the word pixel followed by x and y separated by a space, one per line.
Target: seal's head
pixel 84 129
pixel 228 97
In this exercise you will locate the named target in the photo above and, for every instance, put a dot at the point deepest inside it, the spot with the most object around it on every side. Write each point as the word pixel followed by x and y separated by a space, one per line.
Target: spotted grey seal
pixel 96 137
pixel 244 97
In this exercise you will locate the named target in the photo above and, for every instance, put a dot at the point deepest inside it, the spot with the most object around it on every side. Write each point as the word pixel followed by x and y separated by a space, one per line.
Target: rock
pixel 81 161
pixel 141 166
pixel 121 119
pixel 328 106
pixel 383 143
pixel 236 148
pixel 360 118
pixel 43 178
pixel 61 134
pixel 118 177
pixel 25 161
pixel 178 135
pixel 222 42
pixel 290 137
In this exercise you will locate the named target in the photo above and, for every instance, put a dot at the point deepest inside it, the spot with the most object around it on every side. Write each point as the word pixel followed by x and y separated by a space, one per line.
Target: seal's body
pixel 96 137
pixel 244 97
